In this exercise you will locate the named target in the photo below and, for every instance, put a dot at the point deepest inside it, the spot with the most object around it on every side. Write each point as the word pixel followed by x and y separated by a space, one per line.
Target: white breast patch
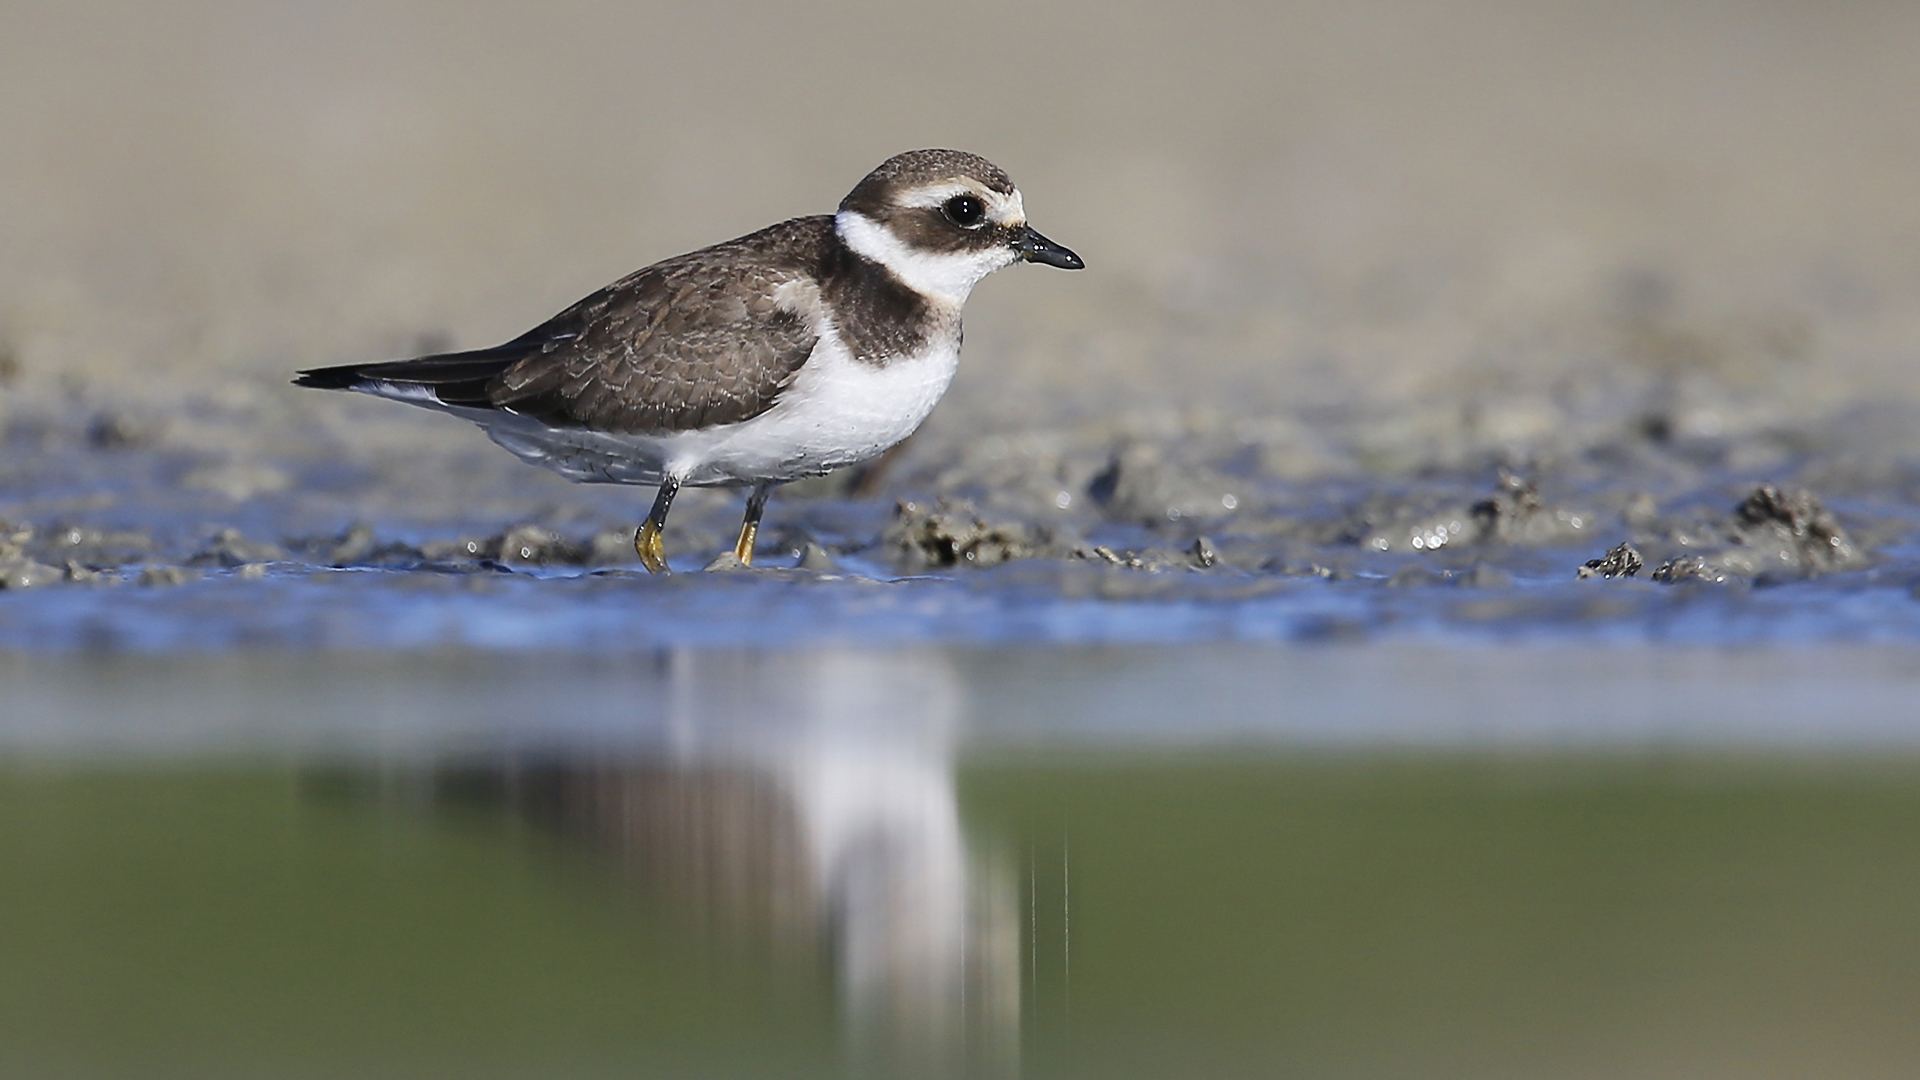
pixel 838 412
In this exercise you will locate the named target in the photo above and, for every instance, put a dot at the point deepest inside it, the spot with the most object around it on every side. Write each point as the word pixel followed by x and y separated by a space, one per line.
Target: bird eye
pixel 965 211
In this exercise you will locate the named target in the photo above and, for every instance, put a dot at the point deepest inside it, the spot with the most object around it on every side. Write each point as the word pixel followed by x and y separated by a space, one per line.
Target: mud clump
pixel 27 574
pixel 228 549
pixel 1153 560
pixel 1793 531
pixel 94 548
pixel 82 574
pixel 1771 536
pixel 168 575
pixel 13 541
pixel 1203 554
pixel 353 544
pixel 1623 561
pixel 1505 515
pixel 1688 568
pixel 1140 486
pixel 537 546
pixel 726 563
pixel 952 533
pixel 611 547
pixel 464 550
pixel 31 557
pixel 1514 515
pixel 817 559
pixel 357 546
pixel 521 545
pixel 1415 575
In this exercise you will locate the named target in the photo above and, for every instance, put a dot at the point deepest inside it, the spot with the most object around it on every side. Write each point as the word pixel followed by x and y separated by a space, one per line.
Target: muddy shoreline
pixel 165 536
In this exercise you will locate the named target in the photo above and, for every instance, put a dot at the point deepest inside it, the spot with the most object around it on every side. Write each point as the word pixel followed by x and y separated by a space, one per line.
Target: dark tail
pixel 454 378
pixel 333 378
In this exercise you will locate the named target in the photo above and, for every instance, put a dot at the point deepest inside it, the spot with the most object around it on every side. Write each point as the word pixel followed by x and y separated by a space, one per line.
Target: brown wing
pixel 691 342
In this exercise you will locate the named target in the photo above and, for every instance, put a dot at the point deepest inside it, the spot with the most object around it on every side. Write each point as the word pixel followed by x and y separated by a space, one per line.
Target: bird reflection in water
pixel 808 801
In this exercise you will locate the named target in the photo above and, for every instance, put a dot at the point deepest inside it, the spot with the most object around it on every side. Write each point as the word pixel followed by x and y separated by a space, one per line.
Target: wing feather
pixel 691 342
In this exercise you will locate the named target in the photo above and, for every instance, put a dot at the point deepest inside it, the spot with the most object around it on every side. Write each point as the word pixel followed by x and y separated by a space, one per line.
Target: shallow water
pixel 1235 860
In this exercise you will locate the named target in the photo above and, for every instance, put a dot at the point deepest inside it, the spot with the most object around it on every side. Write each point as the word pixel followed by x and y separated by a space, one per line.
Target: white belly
pixel 838 412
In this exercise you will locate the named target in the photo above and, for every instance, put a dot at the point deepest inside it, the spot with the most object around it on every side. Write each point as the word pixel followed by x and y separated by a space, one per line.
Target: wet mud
pixel 1138 530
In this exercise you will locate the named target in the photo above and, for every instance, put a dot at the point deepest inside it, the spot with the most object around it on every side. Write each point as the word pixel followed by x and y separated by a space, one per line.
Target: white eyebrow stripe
pixel 1002 209
pixel 1008 209
pixel 935 194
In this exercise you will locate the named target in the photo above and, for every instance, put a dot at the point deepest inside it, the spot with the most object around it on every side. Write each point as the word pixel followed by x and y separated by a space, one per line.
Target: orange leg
pixel 646 540
pixel 750 526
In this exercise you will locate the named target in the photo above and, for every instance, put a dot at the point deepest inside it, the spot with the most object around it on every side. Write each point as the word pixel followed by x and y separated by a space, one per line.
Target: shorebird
pixel 810 345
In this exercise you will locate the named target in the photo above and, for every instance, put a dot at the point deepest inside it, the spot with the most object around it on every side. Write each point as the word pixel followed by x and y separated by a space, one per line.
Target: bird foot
pixel 652 551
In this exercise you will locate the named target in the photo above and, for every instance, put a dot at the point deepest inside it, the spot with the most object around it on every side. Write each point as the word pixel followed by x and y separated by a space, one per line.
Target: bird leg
pixel 750 525
pixel 646 540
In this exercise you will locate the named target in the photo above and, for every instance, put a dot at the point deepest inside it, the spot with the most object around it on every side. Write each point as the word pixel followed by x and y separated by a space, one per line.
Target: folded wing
pixel 711 337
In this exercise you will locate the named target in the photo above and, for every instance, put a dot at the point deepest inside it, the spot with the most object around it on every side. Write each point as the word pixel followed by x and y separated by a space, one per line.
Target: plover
pixel 810 345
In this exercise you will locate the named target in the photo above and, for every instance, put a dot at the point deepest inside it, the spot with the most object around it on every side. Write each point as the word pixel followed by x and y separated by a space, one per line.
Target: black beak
pixel 1036 248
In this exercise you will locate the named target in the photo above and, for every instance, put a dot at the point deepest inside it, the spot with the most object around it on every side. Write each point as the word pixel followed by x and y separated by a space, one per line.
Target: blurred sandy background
pixel 1407 205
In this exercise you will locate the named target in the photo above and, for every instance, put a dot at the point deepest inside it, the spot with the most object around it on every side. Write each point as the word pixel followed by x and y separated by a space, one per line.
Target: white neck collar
pixel 945 279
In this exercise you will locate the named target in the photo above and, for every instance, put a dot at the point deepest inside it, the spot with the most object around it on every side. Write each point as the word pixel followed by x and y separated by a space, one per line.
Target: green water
pixel 1196 915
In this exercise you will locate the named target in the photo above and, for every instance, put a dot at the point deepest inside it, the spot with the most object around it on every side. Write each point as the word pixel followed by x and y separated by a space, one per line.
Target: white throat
pixel 945 279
